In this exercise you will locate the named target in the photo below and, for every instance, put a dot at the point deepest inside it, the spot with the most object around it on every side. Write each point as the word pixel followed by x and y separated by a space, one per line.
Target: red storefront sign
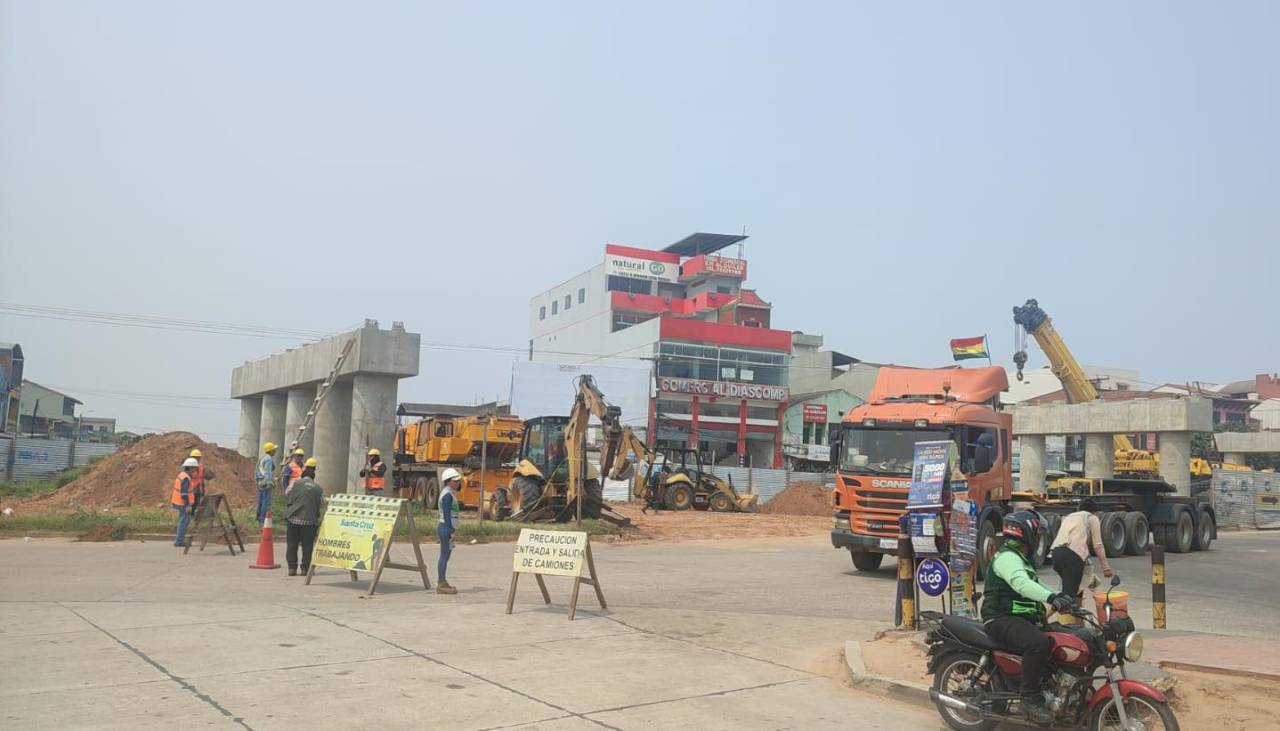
pixel 722 389
pixel 815 413
pixel 725 266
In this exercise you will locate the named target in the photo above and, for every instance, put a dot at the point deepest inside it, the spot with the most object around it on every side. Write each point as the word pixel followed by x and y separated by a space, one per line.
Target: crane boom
pixel 1079 389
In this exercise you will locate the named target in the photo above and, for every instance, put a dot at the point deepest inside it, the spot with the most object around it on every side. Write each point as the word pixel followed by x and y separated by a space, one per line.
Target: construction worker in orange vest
pixel 293 470
pixel 375 475
pixel 200 476
pixel 183 497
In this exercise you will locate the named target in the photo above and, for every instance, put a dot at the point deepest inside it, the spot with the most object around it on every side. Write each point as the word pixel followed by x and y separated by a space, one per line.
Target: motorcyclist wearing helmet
pixel 1013 606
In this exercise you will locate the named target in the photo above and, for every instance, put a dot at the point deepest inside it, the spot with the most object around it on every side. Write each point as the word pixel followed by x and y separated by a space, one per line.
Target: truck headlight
pixel 842 522
pixel 1133 647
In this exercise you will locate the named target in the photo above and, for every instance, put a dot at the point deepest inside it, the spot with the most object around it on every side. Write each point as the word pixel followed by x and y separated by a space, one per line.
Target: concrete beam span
pixel 1258 442
pixel 1193 414
pixel 391 352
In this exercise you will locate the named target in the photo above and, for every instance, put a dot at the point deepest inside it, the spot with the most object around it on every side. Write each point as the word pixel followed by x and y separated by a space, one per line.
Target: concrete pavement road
pixel 135 635
pixel 726 634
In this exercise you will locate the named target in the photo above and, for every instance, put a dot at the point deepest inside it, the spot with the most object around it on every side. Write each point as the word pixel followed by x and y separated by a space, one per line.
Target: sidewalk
pixel 1212 653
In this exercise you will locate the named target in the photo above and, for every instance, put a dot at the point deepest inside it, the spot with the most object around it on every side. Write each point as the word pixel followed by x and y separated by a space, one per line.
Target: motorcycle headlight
pixel 1133 647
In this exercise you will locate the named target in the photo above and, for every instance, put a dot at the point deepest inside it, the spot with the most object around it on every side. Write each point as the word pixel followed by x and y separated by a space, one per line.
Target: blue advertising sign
pixel 928 474
pixel 933 577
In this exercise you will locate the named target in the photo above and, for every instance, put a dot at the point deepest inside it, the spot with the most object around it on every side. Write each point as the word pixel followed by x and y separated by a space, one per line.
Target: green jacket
pixel 1012 587
pixel 304 500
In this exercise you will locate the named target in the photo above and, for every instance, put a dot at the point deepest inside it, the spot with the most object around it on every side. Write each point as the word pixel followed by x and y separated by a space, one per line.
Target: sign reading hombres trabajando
pixel 552 552
pixel 355 531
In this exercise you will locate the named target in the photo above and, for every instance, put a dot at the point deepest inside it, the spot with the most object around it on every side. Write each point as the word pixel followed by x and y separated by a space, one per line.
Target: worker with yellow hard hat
pixel 199 477
pixel 264 474
pixel 374 474
pixel 293 470
pixel 304 500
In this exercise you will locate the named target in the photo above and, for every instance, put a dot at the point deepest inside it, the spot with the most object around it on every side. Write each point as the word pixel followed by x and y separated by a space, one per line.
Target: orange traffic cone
pixel 266 549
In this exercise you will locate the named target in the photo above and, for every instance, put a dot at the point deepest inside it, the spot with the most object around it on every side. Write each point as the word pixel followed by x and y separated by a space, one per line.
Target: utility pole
pixel 484 463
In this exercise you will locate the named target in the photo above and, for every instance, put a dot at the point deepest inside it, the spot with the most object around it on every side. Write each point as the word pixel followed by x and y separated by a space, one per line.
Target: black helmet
pixel 1023 526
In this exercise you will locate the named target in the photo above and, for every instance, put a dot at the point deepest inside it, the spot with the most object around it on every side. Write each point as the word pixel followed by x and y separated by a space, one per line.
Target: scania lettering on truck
pixel 875 451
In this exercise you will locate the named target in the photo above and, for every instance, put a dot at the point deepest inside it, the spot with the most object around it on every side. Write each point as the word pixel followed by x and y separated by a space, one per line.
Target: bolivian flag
pixel 966 348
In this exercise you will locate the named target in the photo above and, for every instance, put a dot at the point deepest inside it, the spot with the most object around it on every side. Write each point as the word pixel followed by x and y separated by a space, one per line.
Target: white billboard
pixel 548 389
pixel 616 265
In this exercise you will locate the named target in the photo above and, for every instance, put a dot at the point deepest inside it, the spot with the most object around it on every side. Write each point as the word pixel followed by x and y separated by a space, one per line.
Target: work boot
pixel 1035 709
pixel 293 572
pixel 444 588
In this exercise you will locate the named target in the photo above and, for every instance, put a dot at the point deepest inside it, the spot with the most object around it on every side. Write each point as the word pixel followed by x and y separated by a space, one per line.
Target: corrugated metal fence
pixel 765 483
pixel 28 459
pixel 1247 499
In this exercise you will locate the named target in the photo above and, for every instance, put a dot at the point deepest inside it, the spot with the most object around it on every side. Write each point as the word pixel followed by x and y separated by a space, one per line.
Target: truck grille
pixel 875 510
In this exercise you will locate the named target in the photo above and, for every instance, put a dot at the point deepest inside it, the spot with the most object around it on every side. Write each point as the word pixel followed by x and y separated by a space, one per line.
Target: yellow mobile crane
pixel 1129 461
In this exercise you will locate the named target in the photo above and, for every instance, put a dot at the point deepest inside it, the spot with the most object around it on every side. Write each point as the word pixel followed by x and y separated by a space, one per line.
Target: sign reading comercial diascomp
pixel 722 389
pixel 815 413
pixel 616 265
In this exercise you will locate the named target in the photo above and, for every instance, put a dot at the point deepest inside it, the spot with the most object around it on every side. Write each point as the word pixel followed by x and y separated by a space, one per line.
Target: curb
pixel 901 690
pixel 1213 669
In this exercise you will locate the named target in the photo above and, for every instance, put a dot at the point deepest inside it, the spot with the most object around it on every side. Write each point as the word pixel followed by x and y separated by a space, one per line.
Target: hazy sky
pixel 907 175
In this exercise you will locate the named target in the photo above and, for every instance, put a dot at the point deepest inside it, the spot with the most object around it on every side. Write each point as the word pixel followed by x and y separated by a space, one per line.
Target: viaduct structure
pixel 1099 421
pixel 1235 445
pixel 358 413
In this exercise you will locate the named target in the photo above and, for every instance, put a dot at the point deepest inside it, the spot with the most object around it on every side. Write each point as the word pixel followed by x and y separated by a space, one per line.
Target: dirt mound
pixel 141 476
pixel 800 498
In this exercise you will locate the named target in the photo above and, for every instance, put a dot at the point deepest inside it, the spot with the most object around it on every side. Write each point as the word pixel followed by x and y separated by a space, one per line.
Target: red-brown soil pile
pixel 800 498
pixel 141 476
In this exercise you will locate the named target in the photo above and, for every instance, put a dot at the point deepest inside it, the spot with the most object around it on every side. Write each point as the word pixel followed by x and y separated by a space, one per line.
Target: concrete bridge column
pixel 1031 462
pixel 250 425
pixel 1099 455
pixel 373 423
pixel 272 422
pixel 333 438
pixel 298 402
pixel 1175 460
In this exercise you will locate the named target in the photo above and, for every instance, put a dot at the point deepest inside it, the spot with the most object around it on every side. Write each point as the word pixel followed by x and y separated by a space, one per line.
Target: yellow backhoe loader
pixel 553 480
pixel 677 481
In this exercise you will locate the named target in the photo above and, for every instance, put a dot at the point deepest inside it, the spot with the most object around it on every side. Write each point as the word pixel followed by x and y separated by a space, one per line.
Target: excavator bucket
pixel 748 503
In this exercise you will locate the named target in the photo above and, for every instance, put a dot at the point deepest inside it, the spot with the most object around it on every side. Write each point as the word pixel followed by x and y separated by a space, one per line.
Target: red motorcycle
pixel 975 681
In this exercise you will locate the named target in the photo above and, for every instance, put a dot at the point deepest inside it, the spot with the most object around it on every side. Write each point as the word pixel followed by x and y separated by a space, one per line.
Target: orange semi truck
pixel 874 451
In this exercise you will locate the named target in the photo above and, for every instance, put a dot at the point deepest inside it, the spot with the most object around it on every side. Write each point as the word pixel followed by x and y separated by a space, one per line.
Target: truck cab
pixel 874 452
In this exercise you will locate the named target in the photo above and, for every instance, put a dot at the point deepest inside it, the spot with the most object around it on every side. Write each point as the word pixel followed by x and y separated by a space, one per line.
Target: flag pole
pixel 987 347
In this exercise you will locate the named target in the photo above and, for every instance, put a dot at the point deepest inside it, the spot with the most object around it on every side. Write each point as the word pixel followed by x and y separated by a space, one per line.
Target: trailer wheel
pixel 1138 532
pixel 1179 536
pixel 1113 538
pixel 1042 546
pixel 1204 532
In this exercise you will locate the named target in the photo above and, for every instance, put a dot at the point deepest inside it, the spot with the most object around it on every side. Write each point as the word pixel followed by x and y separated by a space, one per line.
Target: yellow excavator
pixel 1129 461
pixel 682 483
pixel 553 480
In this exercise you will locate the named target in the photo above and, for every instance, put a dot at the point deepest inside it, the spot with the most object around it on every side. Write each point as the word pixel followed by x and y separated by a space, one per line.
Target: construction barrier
pixel 1246 499
pixel 28 458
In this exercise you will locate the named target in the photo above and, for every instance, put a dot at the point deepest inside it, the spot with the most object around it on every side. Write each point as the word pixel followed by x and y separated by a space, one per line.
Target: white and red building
pixel 720 371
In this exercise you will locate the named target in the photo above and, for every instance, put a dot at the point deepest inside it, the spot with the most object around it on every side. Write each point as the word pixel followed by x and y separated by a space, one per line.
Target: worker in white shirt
pixel 1079 532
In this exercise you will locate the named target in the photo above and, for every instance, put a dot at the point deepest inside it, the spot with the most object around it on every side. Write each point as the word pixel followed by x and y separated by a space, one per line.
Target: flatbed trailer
pixel 1136 513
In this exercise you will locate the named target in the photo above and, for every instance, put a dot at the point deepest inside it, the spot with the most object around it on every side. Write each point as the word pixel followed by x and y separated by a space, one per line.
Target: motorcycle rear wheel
pixel 1154 715
pixel 955 671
